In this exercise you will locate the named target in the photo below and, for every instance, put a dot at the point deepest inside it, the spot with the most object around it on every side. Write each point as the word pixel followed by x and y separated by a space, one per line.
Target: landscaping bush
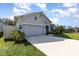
pixel 18 36
pixel 1 34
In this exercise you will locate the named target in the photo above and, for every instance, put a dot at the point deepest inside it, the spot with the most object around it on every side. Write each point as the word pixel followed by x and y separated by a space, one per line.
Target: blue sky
pixel 6 10
pixel 59 13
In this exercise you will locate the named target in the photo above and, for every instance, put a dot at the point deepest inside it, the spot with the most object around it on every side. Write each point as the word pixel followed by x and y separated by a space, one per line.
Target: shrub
pixel 18 36
pixel 1 34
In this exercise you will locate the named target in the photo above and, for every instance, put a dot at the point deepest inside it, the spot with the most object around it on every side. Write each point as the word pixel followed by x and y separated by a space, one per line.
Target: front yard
pixel 69 35
pixel 8 48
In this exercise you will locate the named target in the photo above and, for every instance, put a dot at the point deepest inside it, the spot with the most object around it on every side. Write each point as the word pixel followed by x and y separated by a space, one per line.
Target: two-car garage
pixel 33 30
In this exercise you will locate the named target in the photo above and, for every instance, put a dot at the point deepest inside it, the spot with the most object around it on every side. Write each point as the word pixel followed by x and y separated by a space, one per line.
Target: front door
pixel 47 29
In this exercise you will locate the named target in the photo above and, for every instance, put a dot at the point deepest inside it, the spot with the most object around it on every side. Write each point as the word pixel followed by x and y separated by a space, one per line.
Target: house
pixel 1 26
pixel 33 24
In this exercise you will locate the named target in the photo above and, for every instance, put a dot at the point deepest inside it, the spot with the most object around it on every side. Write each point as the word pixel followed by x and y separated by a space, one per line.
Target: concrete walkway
pixel 55 46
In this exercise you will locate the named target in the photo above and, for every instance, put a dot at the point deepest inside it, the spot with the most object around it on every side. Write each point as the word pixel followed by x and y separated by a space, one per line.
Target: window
pixel 20 27
pixel 35 18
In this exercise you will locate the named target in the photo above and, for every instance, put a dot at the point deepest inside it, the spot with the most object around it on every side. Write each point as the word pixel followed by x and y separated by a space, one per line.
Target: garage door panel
pixel 31 30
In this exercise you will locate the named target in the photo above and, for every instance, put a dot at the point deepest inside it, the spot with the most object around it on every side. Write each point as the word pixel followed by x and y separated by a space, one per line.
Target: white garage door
pixel 32 30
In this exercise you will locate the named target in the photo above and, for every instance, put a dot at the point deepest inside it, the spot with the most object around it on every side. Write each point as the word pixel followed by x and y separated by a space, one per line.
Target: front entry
pixel 47 30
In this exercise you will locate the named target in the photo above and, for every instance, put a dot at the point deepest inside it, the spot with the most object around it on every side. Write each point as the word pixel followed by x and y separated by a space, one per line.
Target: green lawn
pixel 69 35
pixel 8 48
pixel 1 42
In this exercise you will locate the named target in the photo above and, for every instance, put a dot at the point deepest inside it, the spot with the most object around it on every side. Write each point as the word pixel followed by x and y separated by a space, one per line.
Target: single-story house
pixel 33 24
pixel 1 26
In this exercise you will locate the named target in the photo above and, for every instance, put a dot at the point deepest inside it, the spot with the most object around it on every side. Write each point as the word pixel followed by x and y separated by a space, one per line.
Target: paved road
pixel 55 46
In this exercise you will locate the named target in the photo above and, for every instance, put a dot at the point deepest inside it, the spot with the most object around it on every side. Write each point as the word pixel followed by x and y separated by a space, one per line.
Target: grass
pixel 73 35
pixel 1 42
pixel 9 48
pixel 69 35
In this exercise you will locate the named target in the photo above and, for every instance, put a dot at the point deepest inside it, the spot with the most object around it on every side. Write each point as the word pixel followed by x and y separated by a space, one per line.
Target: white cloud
pixel 76 17
pixel 54 20
pixel 18 11
pixel 60 12
pixel 73 10
pixel 21 8
pixel 42 6
pixel 69 5
pixel 72 7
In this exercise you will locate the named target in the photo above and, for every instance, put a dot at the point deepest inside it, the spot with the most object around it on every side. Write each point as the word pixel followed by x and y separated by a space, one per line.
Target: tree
pixel 7 21
pixel 76 29
pixel 58 29
pixel 70 29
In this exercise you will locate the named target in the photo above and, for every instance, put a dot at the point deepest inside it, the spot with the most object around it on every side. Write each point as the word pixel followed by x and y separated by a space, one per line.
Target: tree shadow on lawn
pixel 62 35
pixel 25 42
pixel 1 34
pixel 9 39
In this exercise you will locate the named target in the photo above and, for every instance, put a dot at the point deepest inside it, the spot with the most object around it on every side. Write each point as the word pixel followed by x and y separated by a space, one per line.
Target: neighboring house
pixel 1 26
pixel 33 24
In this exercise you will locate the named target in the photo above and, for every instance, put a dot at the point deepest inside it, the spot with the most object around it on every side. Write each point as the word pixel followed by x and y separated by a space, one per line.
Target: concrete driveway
pixel 55 46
